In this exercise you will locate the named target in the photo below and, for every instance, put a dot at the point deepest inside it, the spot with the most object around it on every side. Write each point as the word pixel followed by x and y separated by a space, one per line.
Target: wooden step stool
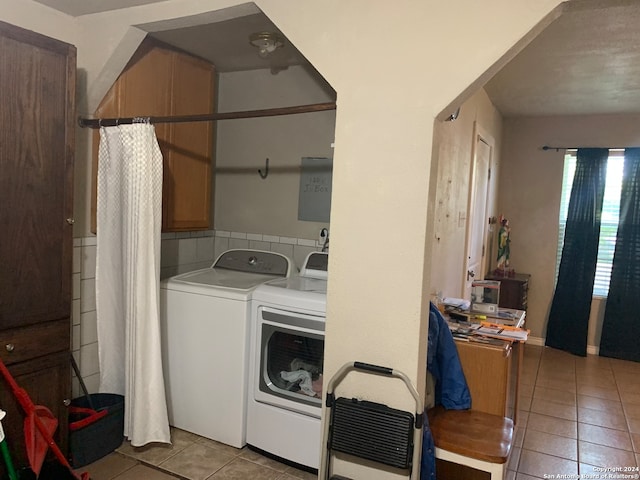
pixel 475 439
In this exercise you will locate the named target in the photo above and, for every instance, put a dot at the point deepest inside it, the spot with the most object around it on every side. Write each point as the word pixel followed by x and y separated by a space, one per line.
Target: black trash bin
pixel 93 433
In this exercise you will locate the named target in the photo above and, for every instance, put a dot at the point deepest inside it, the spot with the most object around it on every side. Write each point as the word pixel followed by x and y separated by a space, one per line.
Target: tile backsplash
pixel 180 252
pixel 84 333
pixel 183 252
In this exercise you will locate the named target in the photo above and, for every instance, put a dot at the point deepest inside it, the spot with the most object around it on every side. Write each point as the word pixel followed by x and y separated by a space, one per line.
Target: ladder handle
pixel 373 368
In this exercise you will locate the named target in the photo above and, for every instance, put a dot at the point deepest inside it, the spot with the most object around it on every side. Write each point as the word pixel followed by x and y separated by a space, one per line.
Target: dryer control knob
pixel 253 260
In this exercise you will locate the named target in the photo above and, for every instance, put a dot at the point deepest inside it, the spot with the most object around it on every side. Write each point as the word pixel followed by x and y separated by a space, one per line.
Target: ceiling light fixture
pixel 266 42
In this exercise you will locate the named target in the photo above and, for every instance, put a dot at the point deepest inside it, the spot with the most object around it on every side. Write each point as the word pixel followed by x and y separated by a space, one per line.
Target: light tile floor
pixel 190 457
pixel 576 414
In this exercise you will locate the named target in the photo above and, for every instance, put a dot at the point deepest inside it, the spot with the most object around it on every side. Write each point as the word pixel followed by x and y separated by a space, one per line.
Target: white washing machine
pixel 205 333
pixel 287 356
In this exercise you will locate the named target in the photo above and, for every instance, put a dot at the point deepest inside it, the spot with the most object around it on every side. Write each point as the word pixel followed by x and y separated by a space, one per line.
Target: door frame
pixel 479 134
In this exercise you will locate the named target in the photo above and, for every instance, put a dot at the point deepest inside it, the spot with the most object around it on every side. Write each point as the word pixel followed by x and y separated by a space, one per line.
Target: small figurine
pixel 503 245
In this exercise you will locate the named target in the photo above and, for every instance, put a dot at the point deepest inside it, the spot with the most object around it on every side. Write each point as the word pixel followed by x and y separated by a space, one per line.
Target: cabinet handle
pixel 71 221
pixel 10 347
pixel 66 402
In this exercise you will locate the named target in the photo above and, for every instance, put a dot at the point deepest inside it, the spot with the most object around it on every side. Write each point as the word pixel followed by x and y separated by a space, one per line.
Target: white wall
pixel 454 142
pixel 251 212
pixel 530 187
pixel 245 202
pixel 38 18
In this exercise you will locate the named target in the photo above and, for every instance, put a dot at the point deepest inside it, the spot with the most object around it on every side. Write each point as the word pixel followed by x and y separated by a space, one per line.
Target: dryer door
pixel 289 367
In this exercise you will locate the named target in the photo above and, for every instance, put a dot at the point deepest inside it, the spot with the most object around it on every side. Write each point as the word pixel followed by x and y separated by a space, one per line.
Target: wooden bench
pixel 475 439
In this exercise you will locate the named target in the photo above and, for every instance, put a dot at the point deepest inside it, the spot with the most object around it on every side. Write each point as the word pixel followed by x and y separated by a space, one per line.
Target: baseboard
pixel 539 341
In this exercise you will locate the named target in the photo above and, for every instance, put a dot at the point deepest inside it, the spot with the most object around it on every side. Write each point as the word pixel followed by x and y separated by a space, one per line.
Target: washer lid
pixel 300 293
pixel 234 270
pixel 219 277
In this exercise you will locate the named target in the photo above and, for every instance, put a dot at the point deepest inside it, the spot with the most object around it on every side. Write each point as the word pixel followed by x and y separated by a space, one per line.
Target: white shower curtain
pixel 129 218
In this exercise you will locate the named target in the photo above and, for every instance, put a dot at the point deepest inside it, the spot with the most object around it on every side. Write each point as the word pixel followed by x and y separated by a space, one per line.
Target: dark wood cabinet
pixel 47 380
pixel 514 290
pixel 37 118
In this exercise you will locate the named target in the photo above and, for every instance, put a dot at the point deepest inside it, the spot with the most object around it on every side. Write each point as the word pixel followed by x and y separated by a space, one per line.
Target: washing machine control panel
pixel 254 261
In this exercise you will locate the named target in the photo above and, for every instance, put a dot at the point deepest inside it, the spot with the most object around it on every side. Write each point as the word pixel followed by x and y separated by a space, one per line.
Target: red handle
pixel 92 416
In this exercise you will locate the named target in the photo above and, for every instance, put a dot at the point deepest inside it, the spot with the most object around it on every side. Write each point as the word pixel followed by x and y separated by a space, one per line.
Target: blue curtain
pixel 621 327
pixel 569 315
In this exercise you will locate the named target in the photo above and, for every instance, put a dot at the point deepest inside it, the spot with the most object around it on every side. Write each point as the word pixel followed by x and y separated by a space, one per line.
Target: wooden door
pixel 478 222
pixel 37 95
pixel 37 114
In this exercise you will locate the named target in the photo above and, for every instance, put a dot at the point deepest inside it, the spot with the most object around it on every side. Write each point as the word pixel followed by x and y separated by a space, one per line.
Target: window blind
pixel 609 219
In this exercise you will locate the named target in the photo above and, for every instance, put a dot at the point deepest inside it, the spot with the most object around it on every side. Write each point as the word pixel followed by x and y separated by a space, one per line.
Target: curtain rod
pixel 547 147
pixel 207 117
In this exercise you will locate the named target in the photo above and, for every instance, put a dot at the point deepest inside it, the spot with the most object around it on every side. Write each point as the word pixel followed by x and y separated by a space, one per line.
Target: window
pixel 610 216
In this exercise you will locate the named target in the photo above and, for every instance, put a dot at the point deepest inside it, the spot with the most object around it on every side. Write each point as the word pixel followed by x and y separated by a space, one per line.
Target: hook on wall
pixel 266 170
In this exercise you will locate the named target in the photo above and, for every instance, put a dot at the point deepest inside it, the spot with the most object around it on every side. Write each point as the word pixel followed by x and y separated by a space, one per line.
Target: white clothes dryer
pixel 287 356
pixel 205 334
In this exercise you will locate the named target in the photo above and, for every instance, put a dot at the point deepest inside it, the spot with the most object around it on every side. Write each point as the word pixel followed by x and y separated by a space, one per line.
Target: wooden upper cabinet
pixel 187 179
pixel 160 81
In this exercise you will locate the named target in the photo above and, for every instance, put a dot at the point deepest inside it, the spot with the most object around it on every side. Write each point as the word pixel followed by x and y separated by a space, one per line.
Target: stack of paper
pixel 460 303
pixel 502 331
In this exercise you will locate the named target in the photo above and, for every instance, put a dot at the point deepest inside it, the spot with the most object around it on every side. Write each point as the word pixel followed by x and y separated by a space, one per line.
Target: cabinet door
pixel 47 381
pixel 144 88
pixel 187 180
pixel 161 82
pixel 513 290
pixel 487 371
pixel 37 94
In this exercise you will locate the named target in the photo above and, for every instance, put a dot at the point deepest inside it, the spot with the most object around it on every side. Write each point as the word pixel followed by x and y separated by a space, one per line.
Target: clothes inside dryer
pixel 292 364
